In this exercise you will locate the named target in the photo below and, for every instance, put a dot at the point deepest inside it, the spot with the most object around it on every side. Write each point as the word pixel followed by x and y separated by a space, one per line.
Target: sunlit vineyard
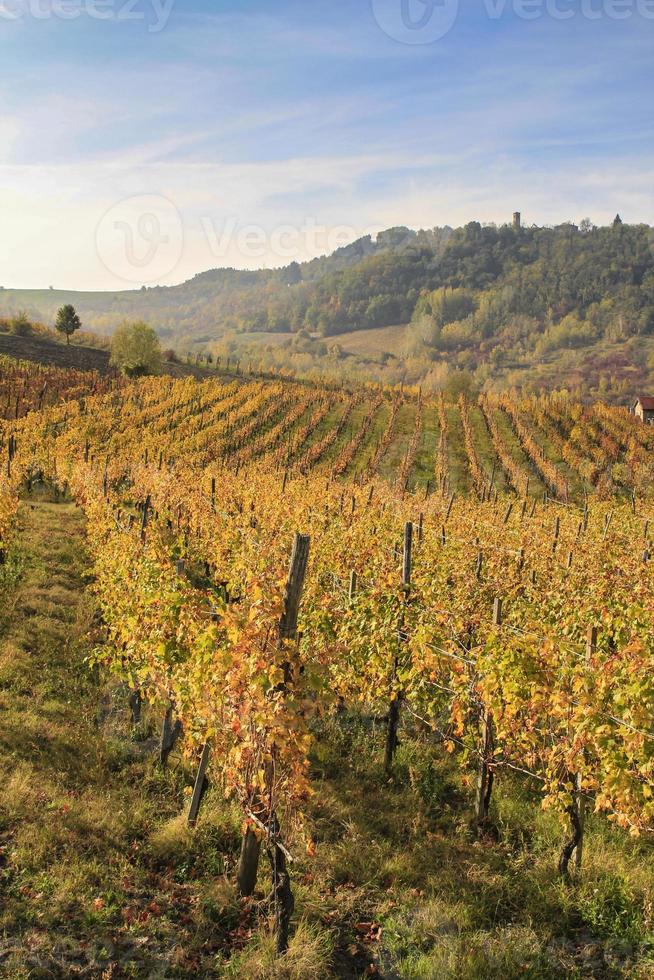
pixel 529 446
pixel 474 572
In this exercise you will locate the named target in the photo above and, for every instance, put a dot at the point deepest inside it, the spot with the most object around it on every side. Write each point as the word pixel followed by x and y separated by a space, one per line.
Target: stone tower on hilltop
pixel 517 220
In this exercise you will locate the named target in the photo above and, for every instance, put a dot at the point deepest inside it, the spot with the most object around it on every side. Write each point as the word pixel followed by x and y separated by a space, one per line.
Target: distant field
pixel 362 343
pixel 372 343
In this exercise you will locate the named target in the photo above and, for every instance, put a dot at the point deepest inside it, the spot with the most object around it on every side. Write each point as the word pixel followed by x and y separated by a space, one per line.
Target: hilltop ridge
pixel 534 307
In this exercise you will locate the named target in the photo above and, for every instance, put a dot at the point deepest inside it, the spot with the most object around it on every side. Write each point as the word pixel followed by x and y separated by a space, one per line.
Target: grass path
pixel 90 884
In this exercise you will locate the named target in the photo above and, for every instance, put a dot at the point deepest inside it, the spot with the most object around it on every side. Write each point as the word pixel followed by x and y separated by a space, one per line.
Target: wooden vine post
pixel 200 787
pixel 394 708
pixel 144 518
pixel 251 844
pixel 580 802
pixel 135 704
pixel 171 729
pixel 485 777
pixel 577 810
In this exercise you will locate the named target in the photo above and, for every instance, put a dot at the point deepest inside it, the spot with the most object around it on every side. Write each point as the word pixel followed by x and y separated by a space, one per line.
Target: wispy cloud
pixel 300 112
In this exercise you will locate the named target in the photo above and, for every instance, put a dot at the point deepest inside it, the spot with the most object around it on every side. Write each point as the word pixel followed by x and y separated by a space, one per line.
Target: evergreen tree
pixel 67 321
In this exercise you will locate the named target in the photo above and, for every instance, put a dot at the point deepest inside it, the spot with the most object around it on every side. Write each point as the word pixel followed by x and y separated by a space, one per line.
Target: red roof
pixel 647 404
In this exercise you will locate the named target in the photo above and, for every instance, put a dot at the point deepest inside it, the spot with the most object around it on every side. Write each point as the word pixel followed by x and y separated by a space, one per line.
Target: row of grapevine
pixel 476 472
pixel 549 472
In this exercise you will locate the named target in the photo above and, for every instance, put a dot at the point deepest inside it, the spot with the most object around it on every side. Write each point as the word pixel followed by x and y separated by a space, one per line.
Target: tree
pixel 460 383
pixel 67 321
pixel 293 274
pixel 135 349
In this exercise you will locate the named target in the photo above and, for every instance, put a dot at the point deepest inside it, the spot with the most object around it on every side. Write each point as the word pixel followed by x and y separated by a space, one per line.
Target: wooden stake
pixel 170 732
pixel 144 519
pixel 580 803
pixel 485 777
pixel 396 696
pixel 200 786
pixel 555 536
pixel 607 524
pixel 251 843
pixel 135 703
pixel 294 586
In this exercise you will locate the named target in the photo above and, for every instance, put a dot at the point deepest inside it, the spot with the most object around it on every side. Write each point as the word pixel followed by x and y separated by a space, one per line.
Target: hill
pixel 204 307
pixel 40 349
pixel 536 307
pixel 43 351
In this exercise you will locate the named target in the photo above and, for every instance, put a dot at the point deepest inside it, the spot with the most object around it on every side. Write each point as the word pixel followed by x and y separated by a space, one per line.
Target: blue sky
pixel 198 134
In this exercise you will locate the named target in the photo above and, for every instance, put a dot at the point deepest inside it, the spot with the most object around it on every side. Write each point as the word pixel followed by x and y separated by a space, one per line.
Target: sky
pixel 144 141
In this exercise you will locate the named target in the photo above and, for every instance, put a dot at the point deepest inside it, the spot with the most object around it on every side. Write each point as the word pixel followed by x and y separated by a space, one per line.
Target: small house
pixel 644 410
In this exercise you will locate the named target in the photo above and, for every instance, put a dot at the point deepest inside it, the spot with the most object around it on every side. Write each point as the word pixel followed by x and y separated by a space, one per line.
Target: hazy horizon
pixel 284 263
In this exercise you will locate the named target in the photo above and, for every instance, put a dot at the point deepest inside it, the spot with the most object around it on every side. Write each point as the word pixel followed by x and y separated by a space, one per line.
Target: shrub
pixel 135 350
pixel 20 326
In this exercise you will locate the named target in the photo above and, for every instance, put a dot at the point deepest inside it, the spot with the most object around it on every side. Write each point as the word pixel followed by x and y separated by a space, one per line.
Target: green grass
pixel 356 417
pixel 367 450
pixel 424 468
pixel 486 454
pixel 407 887
pixel 391 463
pixel 460 481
